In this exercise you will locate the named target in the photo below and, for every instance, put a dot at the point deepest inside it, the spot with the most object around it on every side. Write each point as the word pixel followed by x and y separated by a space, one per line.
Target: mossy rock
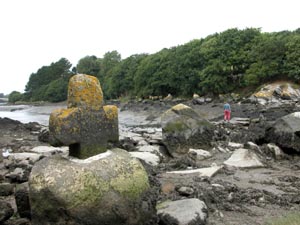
pixel 183 129
pixel 109 188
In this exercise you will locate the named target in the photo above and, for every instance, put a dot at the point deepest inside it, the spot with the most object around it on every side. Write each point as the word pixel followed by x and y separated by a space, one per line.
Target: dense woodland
pixel 220 63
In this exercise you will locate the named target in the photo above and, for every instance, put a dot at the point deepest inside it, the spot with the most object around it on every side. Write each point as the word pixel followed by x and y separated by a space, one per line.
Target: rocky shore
pixel 248 174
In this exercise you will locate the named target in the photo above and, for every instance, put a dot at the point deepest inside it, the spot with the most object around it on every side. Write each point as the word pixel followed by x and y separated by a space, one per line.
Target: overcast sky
pixel 35 33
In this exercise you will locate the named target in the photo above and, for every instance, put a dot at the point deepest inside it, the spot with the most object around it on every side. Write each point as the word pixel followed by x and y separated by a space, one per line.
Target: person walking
pixel 227 112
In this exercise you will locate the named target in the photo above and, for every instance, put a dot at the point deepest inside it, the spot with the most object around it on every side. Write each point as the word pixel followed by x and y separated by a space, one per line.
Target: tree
pixel 90 65
pixel 39 82
pixel 109 61
pixel 14 97
pixel 267 56
pixel 121 80
pixel 292 63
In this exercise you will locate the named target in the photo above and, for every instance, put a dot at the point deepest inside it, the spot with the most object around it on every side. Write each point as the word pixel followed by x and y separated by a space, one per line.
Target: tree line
pixel 220 63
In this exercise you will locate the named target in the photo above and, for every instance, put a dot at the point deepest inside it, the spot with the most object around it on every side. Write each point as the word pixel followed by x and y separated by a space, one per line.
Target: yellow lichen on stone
pixel 264 94
pixel 177 108
pixel 180 107
pixel 64 119
pixel 111 111
pixel 85 91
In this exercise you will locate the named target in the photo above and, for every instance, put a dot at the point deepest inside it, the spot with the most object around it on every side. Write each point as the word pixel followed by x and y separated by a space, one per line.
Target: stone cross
pixel 86 126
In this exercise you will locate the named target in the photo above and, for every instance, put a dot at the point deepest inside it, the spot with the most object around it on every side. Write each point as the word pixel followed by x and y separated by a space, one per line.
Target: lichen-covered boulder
pixel 86 126
pixel 109 188
pixel 183 128
pixel 281 90
pixel 285 132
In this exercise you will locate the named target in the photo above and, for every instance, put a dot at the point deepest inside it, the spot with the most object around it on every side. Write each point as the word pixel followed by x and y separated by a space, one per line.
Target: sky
pixel 35 33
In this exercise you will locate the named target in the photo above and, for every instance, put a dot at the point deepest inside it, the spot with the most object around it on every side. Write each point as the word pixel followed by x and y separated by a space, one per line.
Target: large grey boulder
pixel 109 188
pixel 285 132
pixel 183 212
pixel 183 128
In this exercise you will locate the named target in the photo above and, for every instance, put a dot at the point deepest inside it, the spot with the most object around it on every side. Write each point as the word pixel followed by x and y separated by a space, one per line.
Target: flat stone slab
pixel 34 157
pixel 148 157
pixel 240 120
pixel 244 158
pixel 185 211
pixel 202 172
pixel 49 150
pixel 235 145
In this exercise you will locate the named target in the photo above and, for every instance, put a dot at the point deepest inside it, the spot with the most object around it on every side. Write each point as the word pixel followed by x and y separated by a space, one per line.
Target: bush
pixel 14 97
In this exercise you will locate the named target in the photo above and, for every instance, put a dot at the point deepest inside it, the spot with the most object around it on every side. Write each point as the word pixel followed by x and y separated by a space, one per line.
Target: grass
pixel 289 219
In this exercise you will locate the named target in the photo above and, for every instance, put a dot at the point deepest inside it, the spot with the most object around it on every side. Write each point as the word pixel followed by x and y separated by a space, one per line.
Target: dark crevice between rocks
pixel 74 149
pixel 290 151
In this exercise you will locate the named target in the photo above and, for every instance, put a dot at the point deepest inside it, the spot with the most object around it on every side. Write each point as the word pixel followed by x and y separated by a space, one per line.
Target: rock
pixel 186 191
pixel 21 221
pixel 285 132
pixel 22 200
pixel 280 90
pixel 183 128
pixel 18 175
pixel 30 157
pixel 195 96
pixel 109 188
pixel 6 189
pixel 86 126
pixel 235 145
pixel 6 211
pixel 43 135
pixel 1 156
pixel 202 172
pixel 183 212
pixel 243 158
pixel 49 150
pixel 252 146
pixel 241 121
pixel 150 148
pixel 148 157
pixel 198 154
pixel 199 101
pixel 276 152
pixel 168 97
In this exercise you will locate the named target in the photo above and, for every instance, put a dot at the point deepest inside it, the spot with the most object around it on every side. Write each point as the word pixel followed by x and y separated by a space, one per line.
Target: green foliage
pixel 57 90
pixel 49 83
pixel 218 64
pixel 121 80
pixel 14 97
pixel 108 64
pixel 292 62
pixel 90 65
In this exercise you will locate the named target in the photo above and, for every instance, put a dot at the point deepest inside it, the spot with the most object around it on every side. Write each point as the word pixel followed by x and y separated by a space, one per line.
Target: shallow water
pixel 40 114
pixel 26 114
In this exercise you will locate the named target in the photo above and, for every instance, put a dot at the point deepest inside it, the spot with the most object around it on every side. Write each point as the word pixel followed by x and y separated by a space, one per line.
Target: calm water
pixel 26 114
pixel 40 114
